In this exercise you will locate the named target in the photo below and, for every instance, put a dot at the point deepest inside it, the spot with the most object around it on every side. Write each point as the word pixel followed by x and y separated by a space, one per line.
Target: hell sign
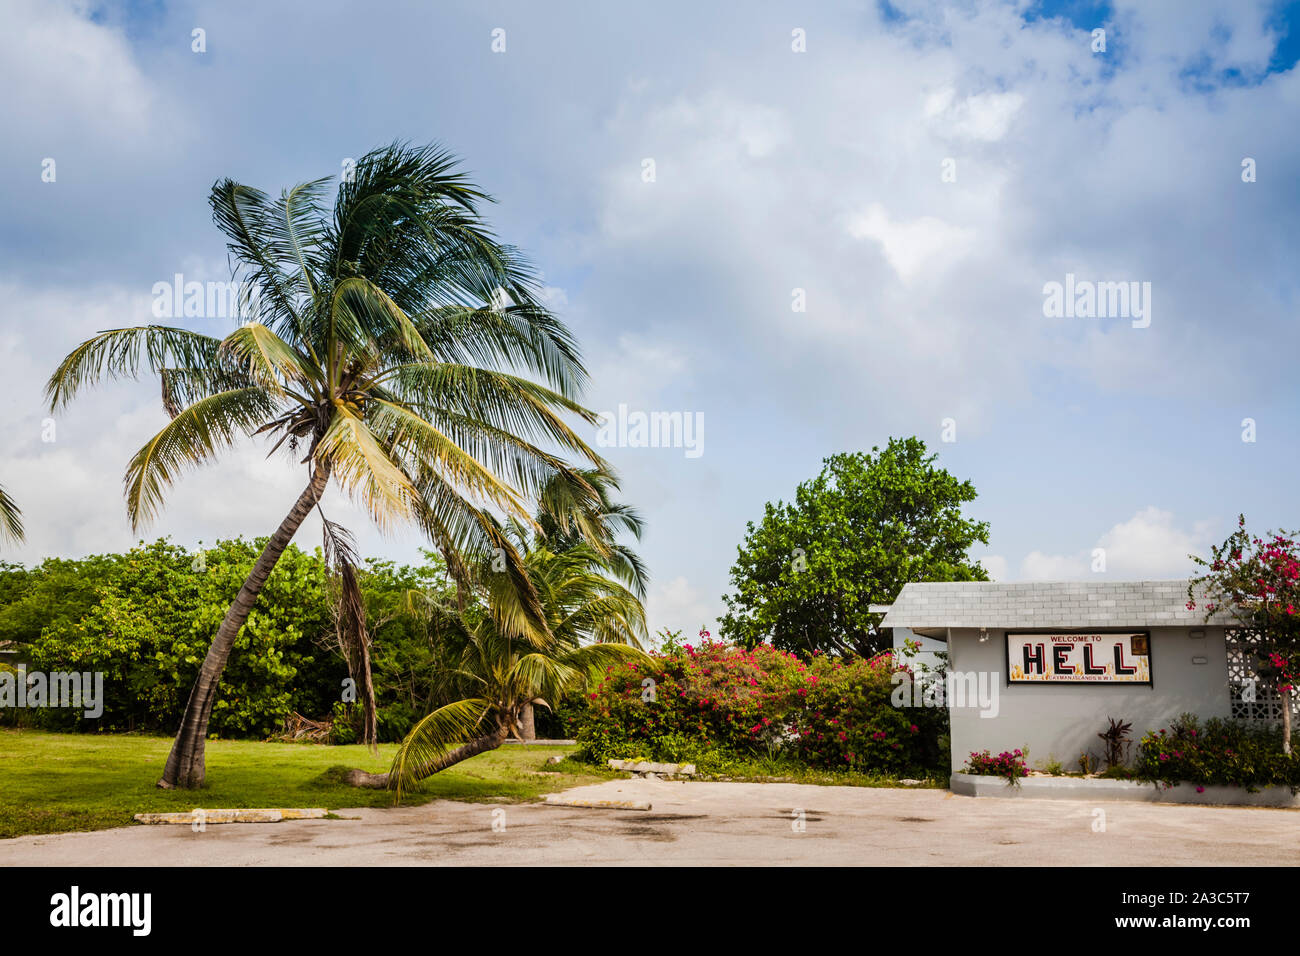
pixel 1079 658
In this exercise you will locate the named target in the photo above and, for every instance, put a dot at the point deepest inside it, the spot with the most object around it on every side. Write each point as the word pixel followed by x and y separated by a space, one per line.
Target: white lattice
pixel 1252 699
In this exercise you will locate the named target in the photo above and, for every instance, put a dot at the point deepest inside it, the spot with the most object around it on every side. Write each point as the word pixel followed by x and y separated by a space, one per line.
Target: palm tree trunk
pixel 472 748
pixel 527 717
pixel 185 766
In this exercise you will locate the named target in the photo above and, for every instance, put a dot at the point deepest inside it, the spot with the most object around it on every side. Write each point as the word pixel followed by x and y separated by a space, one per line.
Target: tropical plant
pixel 11 518
pixel 1216 753
pixel 569 519
pixel 570 515
pixel 387 347
pixel 591 622
pixel 1117 742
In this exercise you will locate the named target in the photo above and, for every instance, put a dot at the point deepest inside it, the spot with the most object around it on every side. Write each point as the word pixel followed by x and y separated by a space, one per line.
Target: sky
pixel 811 229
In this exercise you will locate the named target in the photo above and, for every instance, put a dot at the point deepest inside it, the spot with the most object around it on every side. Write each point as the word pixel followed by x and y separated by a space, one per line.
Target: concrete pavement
pixel 697 824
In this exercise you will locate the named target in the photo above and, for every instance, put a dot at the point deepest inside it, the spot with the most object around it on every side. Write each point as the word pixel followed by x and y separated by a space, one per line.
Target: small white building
pixel 1041 666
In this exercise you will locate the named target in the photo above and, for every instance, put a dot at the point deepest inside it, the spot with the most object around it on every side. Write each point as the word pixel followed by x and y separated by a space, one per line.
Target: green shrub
pixel 717 703
pixel 145 618
pixel 1222 752
pixel 848 720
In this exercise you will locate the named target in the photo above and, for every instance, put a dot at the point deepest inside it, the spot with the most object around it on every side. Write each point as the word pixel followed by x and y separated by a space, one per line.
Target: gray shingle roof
pixel 1046 604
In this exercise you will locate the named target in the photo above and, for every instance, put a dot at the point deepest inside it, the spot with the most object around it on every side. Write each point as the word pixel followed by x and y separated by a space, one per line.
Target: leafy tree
pixel 57 593
pixel 144 619
pixel 388 348
pixel 1258 581
pixel 868 524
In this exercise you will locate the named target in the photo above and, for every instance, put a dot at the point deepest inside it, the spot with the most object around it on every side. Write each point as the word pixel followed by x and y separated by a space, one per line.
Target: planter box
pixel 1078 788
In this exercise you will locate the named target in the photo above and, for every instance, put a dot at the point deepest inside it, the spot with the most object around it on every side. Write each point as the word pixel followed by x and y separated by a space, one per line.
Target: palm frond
pixel 433 736
pixel 349 609
pixel 11 518
pixel 268 360
pixel 257 236
pixel 120 353
pixel 365 469
pixel 403 432
pixel 190 439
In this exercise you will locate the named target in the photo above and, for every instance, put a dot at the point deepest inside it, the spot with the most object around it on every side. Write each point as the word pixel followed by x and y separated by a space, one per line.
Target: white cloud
pixel 71 79
pixel 926 244
pixel 996 566
pixel 1150 545
pixel 1037 566
pixel 983 116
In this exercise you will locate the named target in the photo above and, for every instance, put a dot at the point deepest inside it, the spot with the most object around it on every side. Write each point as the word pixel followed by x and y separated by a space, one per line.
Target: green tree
pixel 145 619
pixel 387 348
pixel 807 574
pixel 569 516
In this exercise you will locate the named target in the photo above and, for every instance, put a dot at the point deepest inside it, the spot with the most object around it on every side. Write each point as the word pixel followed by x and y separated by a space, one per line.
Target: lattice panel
pixel 1244 684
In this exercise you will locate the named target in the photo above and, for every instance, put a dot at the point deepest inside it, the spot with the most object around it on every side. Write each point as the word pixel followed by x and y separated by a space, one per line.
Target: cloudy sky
pixel 913 174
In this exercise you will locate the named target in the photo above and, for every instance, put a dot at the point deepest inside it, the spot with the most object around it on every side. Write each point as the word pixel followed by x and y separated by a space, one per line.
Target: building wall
pixel 1061 721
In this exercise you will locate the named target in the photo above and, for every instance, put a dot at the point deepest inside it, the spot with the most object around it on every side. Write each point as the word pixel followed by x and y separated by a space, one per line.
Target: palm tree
pixel 11 518
pixel 397 340
pixel 569 518
pixel 591 622
pixel 570 515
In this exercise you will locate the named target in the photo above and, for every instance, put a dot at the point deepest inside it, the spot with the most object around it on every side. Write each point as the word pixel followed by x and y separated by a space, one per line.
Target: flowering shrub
pixel 713 703
pixel 1220 752
pixel 846 720
pixel 1010 765
pixel 1258 579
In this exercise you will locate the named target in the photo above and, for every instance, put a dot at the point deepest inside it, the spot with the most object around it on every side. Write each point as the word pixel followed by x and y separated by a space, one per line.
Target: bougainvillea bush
pixel 714 703
pixel 1009 764
pixel 1219 752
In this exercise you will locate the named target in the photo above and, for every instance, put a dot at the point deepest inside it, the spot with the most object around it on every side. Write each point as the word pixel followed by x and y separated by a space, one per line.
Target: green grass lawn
pixel 50 783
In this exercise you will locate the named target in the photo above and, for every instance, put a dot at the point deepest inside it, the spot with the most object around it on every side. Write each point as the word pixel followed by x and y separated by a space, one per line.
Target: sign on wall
pixel 1123 658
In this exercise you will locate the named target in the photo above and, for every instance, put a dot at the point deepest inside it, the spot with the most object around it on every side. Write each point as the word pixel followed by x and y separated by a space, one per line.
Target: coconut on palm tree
pixel 393 346
pixel 591 622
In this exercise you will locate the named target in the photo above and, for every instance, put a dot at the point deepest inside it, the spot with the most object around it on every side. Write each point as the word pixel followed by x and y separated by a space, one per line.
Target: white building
pixel 1041 666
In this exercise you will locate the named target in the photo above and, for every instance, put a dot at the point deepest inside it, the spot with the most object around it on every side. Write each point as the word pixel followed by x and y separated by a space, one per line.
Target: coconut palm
pixel 590 622
pixel 394 347
pixel 11 518
pixel 570 515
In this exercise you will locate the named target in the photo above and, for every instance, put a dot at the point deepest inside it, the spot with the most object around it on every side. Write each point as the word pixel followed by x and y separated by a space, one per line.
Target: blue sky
pixel 775 170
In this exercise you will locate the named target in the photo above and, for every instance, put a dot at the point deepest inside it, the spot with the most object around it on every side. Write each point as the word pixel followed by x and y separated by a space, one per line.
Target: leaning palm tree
pixel 11 518
pixel 393 346
pixel 590 622
pixel 570 518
